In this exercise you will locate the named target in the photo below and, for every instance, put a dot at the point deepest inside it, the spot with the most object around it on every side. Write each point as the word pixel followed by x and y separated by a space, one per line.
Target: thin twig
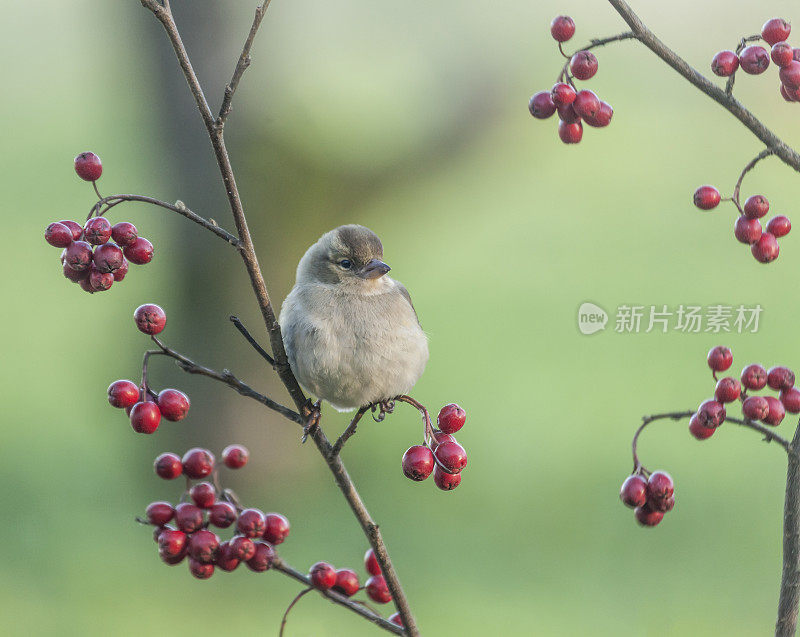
pixel 249 338
pixel 297 598
pixel 742 43
pixel 351 429
pixel 593 44
pixel 762 155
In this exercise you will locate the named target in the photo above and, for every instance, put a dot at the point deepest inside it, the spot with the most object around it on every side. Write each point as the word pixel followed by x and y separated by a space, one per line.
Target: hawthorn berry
pixel 120 272
pixel 439 437
pixel 276 528
pixel 108 258
pixel 755 407
pixel 58 235
pixel 173 404
pixel 725 63
pixel 775 30
pixel 235 456
pixel 123 393
pixel 74 275
pixel 172 542
pixel 418 462
pixel 568 115
pixel 100 281
pixel 711 413
pixel 754 59
pixel 727 390
pixel 145 417
pixel 756 206
pixel 659 486
pixel 584 65
pixel 262 557
pixel 570 133
pixel 445 481
pixel 188 517
pixel 788 94
pixel 451 418
pixel 719 358
pixel 541 105
pixel 633 492
pixel 706 197
pixel 243 548
pixel 203 546
pixel 602 117
pixel 586 104
pixel 346 582
pixel 222 515
pixel 790 75
pixel 754 377
pixel 782 54
pixel 139 252
pixel 150 318
pixel 200 570
pixel 699 430
pixel 747 230
pixel 451 456
pixel 780 377
pixel 562 94
pixel 251 523
pixel 159 513
pixel 197 463
pixel 562 28
pixel 225 559
pixel 377 590
pixel 203 495
pixel 666 505
pixel 776 411
pixel 97 231
pixel 85 284
pixel 766 249
pixel 124 233
pixel 176 559
pixel 75 228
pixel 779 226
pixel 78 255
pixel 323 575
pixel 396 619
pixel 168 466
pixel 791 400
pixel 88 166
pixel 371 563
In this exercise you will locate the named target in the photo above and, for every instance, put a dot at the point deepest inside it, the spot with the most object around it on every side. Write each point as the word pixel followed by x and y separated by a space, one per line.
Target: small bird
pixel 350 331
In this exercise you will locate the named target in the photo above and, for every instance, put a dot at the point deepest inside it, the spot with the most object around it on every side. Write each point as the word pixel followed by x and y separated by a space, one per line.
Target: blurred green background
pixel 409 118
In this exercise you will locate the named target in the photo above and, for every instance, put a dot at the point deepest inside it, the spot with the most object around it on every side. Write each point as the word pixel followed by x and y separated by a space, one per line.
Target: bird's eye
pixel 346 264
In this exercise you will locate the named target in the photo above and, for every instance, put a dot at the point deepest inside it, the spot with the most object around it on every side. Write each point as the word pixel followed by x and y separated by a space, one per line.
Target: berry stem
pixel 94 185
pixel 351 429
pixel 593 44
pixel 786 624
pixel 297 598
pixel 737 189
pixel 426 417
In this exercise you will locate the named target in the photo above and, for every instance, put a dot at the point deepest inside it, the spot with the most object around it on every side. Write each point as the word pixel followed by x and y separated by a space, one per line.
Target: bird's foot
pixel 383 407
pixel 311 412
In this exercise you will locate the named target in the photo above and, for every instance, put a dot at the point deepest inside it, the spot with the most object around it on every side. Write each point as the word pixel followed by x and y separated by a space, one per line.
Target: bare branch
pixel 786 624
pixel 351 429
pixel 249 338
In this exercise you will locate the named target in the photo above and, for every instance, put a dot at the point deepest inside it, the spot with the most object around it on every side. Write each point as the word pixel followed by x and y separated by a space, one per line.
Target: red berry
pixel 584 65
pixel 58 235
pixel 706 197
pixel 173 404
pixel 790 75
pixel 791 400
pixel 568 115
pixel 150 318
pixel 586 104
pixel 78 255
pixel 782 54
pixel 795 54
pixel 699 430
pixel 124 233
pixel 188 517
pixel 776 411
pixel 203 495
pixel 664 505
pixel 562 28
pixel 85 284
pixel 75 228
pixel 445 481
pixel 168 466
pixel 203 546
pixel 659 486
pixel 779 378
pixel 755 407
pixel 790 95
pixel 100 281
pixel 396 619
pixel 439 437
pixel 172 542
pixel 97 231
pixel 198 463
pixel 145 417
pixel 262 558
pixel 711 413
pixel 451 456
pixel 251 523
pixel 123 393
pixel 346 582
pixel 727 390
pixel 418 462
pixel 570 133
pixel 725 63
pixel 139 252
pixel 276 528
pixel 451 418
pixel 225 558
pixel 775 30
pixel 243 547
pixel 756 206
pixel 371 563
pixel 235 456
pixel 323 575
pixel 720 358
pixel 562 94
pixel 159 513
pixel 541 105
pixel 633 492
pixel 602 117
pixel 747 230
pixel 108 258
pixel 222 515
pixel 754 377
pixel 754 59
pixel 766 249
pixel 120 272
pixel 779 226
pixel 74 275
pixel 377 590
pixel 88 166
pixel 200 570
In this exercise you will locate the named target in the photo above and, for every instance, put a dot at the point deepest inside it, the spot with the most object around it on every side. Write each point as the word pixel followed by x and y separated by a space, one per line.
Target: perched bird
pixel 350 331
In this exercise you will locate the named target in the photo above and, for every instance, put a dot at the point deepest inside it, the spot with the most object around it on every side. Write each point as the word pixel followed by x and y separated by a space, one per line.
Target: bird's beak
pixel 374 269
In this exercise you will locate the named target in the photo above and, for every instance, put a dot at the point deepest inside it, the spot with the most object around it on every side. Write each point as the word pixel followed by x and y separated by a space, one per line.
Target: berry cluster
pixel 97 254
pixel 205 504
pixel 440 454
pixel 574 106
pixel 755 59
pixel 747 229
pixel 145 407
pixel 650 496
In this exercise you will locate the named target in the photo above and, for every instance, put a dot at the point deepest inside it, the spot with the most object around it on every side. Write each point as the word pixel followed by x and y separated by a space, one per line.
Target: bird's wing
pixel 407 297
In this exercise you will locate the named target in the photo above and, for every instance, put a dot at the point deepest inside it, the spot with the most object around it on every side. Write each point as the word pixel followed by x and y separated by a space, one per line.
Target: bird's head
pixel 350 255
